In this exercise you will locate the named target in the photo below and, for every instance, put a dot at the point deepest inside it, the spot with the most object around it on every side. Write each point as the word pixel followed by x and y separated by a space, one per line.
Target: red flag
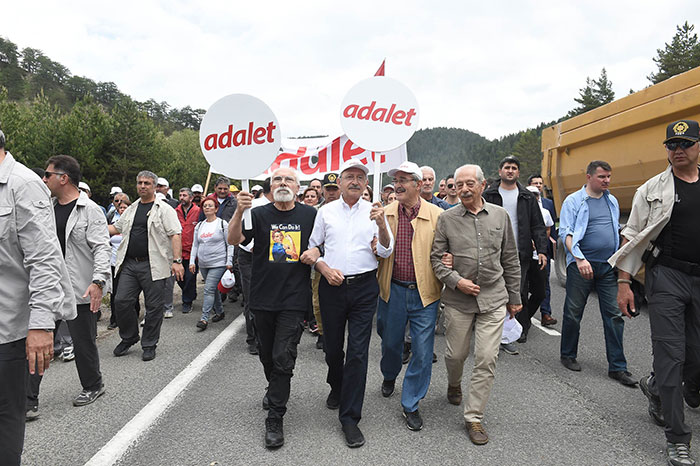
pixel 380 71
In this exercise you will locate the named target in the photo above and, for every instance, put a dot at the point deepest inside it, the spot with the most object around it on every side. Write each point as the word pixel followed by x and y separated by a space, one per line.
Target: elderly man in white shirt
pixel 348 291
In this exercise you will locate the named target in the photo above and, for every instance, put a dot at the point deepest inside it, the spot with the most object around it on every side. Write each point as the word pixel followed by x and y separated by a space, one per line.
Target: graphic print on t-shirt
pixel 285 242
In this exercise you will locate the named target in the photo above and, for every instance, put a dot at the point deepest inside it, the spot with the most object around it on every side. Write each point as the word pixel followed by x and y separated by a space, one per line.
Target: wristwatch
pixel 177 261
pixel 99 283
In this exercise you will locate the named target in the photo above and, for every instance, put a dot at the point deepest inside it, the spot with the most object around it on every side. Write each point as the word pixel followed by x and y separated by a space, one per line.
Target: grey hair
pixel 187 190
pixel 2 140
pixel 479 172
pixel 222 180
pixel 425 167
pixel 294 173
pixel 147 174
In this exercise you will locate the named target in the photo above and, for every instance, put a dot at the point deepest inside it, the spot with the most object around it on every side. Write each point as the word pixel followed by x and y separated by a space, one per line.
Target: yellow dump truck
pixel 626 133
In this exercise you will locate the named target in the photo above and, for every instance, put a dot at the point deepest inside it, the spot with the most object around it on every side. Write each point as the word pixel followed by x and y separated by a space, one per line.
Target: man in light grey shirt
pixel 35 293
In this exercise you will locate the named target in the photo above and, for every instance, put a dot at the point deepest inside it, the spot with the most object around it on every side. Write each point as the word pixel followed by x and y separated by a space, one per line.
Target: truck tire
pixel 560 263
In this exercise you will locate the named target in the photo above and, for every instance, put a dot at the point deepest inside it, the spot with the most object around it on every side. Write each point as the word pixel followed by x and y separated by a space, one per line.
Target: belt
pixel 409 285
pixel 138 259
pixel 351 279
pixel 691 268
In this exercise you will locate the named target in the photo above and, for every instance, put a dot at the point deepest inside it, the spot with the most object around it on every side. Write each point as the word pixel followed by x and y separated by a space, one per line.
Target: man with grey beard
pixel 280 293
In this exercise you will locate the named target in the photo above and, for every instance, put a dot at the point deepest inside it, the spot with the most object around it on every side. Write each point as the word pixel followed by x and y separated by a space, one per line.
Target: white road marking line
pixel 129 435
pixel 549 331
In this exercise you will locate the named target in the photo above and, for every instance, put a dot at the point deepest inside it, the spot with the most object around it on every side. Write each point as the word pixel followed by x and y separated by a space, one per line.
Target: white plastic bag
pixel 511 330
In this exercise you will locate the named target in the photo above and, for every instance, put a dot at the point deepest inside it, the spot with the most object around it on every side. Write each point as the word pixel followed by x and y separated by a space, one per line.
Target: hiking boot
pixel 274 433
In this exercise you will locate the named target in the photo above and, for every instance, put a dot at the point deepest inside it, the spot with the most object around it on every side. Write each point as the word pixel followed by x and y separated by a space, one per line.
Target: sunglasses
pixel 681 144
pixel 450 186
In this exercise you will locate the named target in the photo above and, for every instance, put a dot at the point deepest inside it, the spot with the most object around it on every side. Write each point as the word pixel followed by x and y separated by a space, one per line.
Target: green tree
pixel 528 150
pixel 596 93
pixel 185 164
pixel 682 54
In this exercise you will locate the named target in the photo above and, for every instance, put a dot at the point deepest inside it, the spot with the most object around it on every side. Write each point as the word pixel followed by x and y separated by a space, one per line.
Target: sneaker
pixel 274 433
pixel 691 395
pixel 168 314
pixel 88 396
pixel 678 454
pixel 313 326
pixel 186 308
pixel 143 322
pixel 413 420
pixel 509 348
pixel 477 434
pixel 353 436
pixel 32 413
pixel 202 324
pixel 218 317
pixel 68 354
pixel 654 402
pixel 149 354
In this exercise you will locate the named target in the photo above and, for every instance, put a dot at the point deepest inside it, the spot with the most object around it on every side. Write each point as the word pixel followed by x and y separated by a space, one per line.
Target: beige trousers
pixel 315 280
pixel 487 327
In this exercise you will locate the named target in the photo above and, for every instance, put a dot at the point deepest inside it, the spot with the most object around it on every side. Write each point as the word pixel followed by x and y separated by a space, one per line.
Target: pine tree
pixel 682 54
pixel 596 93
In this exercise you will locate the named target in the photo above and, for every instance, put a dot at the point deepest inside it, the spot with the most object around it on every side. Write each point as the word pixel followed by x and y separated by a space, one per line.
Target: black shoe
pixel 434 358
pixel 111 326
pixel 691 395
pixel 523 338
pixel 333 400
pixel 571 364
pixel 32 413
pixel 413 420
pixel 218 317
pixel 406 352
pixel 319 342
pixel 266 402
pixel 86 397
pixel 202 324
pixel 274 433
pixel 149 353
pixel 252 349
pixel 623 377
pixel 122 348
pixel 353 436
pixel 654 403
pixel 388 388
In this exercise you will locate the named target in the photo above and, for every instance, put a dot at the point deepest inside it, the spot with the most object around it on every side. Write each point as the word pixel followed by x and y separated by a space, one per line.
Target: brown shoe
pixel 454 395
pixel 548 320
pixel 477 434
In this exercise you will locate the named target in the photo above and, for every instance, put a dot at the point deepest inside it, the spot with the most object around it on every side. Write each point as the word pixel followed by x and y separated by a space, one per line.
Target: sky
pixel 493 68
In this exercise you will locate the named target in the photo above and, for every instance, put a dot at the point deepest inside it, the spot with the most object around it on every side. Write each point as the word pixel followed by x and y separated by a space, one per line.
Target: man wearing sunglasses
pixel 662 233
pixel 452 199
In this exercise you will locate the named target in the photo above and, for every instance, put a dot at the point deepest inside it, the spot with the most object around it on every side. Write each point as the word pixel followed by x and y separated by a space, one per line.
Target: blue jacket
pixel 574 220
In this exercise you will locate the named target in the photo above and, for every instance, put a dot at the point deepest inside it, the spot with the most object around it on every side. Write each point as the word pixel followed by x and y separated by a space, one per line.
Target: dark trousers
pixel 112 301
pixel 134 278
pixel 535 288
pixel 674 317
pixel 245 265
pixel 546 307
pixel 189 284
pixel 87 360
pixel 13 370
pixel 352 304
pixel 278 335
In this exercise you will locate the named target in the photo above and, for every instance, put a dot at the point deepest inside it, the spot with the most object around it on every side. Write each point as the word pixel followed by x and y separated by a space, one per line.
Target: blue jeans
pixel 404 306
pixel 212 298
pixel 577 290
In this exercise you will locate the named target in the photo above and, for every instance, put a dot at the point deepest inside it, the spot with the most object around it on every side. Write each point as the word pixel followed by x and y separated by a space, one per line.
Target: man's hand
pixel 542 260
pixel 334 276
pixel 95 293
pixel 584 268
pixel 39 350
pixel 179 272
pixel 447 260
pixel 377 214
pixel 245 200
pixel 374 245
pixel 513 309
pixel 193 268
pixel 310 256
pixel 625 297
pixel 229 268
pixel 467 286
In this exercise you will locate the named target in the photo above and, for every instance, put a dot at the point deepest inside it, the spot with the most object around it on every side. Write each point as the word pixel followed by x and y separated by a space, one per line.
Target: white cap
pixel 407 167
pixel 84 185
pixel 160 196
pixel 115 190
pixel 354 163
pixel 390 186
pixel 197 188
pixel 228 280
pixel 257 187
pixel 163 182
pixel 533 189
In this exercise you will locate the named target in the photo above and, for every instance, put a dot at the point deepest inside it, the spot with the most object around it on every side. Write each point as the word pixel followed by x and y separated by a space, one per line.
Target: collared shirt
pixel 88 250
pixel 162 224
pixel 347 233
pixel 484 251
pixel 574 220
pixel 36 289
pixel 403 255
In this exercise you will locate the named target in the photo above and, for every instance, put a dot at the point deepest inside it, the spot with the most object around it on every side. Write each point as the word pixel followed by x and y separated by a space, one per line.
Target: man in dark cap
pixel 331 190
pixel 662 234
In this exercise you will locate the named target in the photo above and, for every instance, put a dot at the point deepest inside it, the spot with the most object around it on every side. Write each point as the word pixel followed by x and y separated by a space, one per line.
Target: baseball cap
pixel 197 188
pixel 330 179
pixel 163 182
pixel 683 129
pixel 354 163
pixel 390 186
pixel 257 187
pixel 407 167
pixel 115 190
pixel 84 186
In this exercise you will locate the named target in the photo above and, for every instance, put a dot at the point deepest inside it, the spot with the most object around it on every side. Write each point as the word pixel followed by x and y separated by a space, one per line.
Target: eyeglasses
pixel 681 144
pixel 402 180
pixel 48 174
pixel 287 179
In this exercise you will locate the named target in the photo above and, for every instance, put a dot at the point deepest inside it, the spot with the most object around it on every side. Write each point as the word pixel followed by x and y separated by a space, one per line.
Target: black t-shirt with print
pixel 279 280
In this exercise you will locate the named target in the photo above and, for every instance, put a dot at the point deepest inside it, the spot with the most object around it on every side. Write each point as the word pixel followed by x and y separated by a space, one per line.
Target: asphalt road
pixel 539 412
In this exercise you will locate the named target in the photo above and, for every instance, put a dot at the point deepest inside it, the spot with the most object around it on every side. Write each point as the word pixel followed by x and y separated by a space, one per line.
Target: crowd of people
pixel 471 258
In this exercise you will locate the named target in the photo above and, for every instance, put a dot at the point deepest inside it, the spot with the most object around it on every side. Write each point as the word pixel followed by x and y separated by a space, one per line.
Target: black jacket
pixel 530 222
pixel 226 208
